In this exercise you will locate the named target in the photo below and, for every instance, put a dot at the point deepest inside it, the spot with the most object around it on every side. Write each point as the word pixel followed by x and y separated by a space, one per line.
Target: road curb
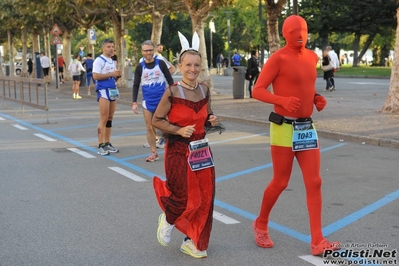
pixel 324 133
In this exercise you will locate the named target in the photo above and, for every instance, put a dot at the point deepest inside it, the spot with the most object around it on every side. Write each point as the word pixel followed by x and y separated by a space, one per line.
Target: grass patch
pixel 361 71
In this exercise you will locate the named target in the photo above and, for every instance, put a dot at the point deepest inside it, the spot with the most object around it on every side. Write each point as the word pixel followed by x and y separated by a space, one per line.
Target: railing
pixel 26 91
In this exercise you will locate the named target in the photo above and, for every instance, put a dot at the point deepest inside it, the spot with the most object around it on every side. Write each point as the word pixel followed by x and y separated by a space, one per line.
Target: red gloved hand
pixel 320 102
pixel 291 104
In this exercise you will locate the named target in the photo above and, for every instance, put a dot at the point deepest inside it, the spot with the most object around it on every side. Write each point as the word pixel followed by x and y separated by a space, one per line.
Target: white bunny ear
pixel 184 42
pixel 196 41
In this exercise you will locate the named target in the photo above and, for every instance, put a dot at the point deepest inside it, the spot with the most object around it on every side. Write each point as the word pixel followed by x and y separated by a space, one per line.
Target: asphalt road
pixel 62 204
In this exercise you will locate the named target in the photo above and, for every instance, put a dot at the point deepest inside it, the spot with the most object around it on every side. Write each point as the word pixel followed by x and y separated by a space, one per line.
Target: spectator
pixel 106 74
pixel 335 62
pixel 88 64
pixel 236 59
pixel 219 63
pixel 252 70
pixel 61 65
pixel 75 68
pixel 45 63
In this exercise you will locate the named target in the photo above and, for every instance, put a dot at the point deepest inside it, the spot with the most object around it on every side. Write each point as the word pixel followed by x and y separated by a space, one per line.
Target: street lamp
pixel 228 37
pixel 211 29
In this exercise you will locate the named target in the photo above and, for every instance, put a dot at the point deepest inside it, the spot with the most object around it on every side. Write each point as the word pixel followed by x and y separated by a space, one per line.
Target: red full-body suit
pixel 292 73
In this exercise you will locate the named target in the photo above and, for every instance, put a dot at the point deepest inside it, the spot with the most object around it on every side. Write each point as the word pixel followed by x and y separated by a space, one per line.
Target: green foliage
pixel 361 71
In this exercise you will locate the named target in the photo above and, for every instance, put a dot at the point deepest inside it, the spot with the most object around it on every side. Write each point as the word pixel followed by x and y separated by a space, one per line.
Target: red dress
pixel 187 196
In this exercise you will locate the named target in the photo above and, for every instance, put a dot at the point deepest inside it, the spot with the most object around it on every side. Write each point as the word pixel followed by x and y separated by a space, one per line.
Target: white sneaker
pixel 147 145
pixel 161 143
pixel 189 248
pixel 164 230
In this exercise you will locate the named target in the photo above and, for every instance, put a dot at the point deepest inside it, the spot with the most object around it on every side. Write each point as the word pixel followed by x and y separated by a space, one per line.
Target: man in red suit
pixel 292 73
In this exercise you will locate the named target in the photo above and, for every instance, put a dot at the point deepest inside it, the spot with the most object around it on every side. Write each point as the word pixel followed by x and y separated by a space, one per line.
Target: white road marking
pixel 20 127
pixel 127 174
pixel 82 153
pixel 318 261
pixel 44 137
pixel 223 218
pixel 1 118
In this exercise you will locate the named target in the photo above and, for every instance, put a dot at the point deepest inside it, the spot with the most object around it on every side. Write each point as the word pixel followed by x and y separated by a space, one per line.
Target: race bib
pixel 113 93
pixel 304 136
pixel 200 155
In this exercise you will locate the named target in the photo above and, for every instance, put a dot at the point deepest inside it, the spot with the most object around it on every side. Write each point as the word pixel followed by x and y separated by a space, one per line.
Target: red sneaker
pixel 153 157
pixel 262 237
pixel 319 249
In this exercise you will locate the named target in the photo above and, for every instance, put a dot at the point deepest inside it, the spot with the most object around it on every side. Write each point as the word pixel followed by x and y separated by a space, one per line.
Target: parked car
pixel 18 68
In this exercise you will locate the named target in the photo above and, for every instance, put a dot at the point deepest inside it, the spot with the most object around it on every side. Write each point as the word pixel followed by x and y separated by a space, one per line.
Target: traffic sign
pixel 56 40
pixel 91 34
pixel 56 30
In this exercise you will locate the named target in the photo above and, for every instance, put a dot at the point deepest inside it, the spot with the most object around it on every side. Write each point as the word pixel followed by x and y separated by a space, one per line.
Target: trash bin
pixel 82 79
pixel 239 82
pixel 7 70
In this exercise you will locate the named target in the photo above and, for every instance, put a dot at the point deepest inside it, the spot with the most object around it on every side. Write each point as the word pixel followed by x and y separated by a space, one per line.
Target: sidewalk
pixel 350 115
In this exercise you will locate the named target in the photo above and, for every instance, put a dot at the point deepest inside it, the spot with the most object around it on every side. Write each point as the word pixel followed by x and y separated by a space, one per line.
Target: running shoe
pixel 189 248
pixel 147 145
pixel 153 157
pixel 110 148
pixel 103 151
pixel 78 97
pixel 164 230
pixel 161 143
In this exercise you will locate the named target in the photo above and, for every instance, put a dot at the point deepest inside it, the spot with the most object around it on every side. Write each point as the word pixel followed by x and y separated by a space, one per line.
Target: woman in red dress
pixel 187 195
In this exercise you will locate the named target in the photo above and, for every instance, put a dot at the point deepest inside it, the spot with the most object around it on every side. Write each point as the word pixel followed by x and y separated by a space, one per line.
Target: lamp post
pixel 228 38
pixel 228 42
pixel 211 29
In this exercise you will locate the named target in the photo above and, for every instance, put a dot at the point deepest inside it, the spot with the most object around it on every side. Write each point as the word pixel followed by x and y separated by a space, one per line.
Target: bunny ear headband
pixel 186 46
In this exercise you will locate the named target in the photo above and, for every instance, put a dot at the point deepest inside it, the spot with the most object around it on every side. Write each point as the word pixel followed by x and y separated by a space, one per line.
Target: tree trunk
pixel 24 72
pixel 273 11
pixel 157 23
pixel 35 49
pixel 117 23
pixel 355 50
pixel 11 52
pixel 391 104
pixel 66 52
pixel 198 22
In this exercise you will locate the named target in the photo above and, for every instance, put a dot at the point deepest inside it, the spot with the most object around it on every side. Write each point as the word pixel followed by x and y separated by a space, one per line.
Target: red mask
pixel 295 32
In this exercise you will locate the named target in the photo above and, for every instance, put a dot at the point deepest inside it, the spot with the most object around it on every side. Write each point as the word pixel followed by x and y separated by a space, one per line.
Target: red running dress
pixel 187 196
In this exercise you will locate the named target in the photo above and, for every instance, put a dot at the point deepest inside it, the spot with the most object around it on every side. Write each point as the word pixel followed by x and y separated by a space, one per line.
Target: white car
pixel 18 67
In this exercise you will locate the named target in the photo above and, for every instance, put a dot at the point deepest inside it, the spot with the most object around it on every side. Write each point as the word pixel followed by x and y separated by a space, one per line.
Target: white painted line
pixel 82 153
pixel 20 127
pixel 318 261
pixel 223 218
pixel 1 118
pixel 127 174
pixel 44 137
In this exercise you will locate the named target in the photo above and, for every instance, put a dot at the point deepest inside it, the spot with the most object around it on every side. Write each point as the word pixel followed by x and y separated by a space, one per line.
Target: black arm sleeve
pixel 165 71
pixel 137 81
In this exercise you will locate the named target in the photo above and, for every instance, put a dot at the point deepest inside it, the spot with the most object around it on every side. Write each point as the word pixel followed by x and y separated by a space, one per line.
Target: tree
pixel 199 11
pixel 273 11
pixel 391 104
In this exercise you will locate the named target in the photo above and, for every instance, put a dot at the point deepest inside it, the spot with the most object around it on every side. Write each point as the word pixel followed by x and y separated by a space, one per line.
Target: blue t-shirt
pixel 236 60
pixel 89 64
